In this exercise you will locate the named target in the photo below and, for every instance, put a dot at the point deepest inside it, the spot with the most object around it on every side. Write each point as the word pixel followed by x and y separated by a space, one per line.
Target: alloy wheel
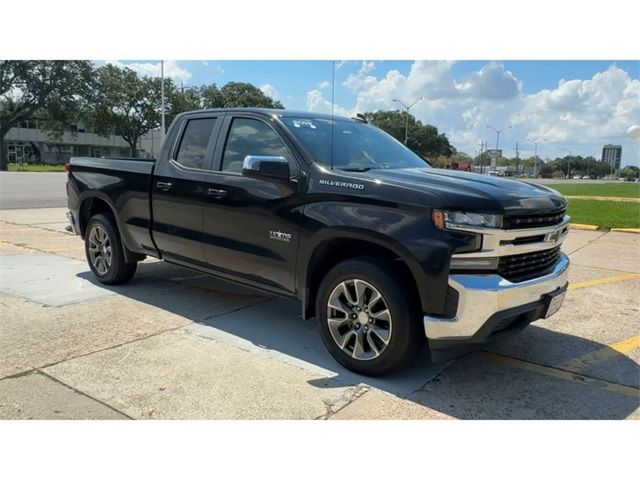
pixel 359 319
pixel 100 252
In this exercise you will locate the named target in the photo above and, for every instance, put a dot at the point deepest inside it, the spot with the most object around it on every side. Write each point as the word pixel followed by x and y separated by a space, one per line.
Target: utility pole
pixel 517 159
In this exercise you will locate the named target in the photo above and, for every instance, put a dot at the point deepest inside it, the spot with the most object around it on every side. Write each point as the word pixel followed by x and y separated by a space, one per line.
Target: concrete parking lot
pixel 174 344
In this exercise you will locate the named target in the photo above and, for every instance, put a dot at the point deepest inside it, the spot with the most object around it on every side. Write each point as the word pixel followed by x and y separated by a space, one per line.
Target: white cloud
pixel 152 69
pixel 317 103
pixel 324 84
pixel 361 79
pixel 585 113
pixel 491 82
pixel 579 114
pixel 270 91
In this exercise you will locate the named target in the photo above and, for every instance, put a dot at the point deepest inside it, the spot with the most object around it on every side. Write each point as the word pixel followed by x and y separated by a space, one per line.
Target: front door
pixel 251 225
pixel 178 192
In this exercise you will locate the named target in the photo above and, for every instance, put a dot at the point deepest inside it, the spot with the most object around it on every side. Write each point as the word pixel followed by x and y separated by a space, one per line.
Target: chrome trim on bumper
pixel 481 296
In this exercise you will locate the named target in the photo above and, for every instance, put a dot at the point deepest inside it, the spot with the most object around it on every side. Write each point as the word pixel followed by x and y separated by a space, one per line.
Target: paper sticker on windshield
pixel 303 123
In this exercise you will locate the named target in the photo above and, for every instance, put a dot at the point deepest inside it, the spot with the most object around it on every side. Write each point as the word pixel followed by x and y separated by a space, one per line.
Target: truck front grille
pixel 525 266
pixel 534 221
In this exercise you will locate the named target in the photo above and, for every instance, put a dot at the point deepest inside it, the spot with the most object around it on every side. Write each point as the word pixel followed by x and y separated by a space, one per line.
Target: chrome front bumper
pixel 482 296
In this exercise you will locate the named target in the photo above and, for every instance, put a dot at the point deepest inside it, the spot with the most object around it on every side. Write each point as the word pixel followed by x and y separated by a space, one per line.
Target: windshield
pixel 356 146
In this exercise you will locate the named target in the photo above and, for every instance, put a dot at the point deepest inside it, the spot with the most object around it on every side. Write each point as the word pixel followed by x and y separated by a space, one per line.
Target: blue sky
pixel 565 105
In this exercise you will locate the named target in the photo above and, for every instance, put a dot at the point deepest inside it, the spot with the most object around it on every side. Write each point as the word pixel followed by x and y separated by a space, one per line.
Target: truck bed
pixel 124 183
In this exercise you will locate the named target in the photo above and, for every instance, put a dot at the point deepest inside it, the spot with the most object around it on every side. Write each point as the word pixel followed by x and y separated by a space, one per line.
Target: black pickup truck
pixel 387 253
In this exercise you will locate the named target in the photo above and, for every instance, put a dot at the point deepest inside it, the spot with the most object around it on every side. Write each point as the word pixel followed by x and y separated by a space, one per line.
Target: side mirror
pixel 262 166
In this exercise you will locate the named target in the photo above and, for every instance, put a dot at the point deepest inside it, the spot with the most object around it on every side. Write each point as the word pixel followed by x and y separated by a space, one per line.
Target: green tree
pixel 423 139
pixel 233 94
pixel 578 165
pixel 211 96
pixel 239 94
pixel 630 172
pixel 181 100
pixel 546 170
pixel 125 104
pixel 52 92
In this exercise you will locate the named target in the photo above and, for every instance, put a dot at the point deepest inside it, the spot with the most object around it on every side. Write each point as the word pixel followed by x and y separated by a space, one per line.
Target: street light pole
pixel 569 164
pixel 407 108
pixel 535 156
pixel 498 132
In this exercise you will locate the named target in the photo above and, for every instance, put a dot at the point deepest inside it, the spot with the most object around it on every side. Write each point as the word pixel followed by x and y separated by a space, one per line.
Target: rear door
pixel 251 225
pixel 178 190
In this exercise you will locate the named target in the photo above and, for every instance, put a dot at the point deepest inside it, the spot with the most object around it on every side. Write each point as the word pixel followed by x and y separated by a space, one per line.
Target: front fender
pixel 409 235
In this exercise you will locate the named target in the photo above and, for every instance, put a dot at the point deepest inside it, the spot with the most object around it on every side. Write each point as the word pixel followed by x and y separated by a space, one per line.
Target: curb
pixel 583 226
pixel 603 199
pixel 626 230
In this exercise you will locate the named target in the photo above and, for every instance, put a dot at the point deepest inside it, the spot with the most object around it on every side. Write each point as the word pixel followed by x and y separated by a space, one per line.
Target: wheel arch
pixel 335 247
pixel 94 204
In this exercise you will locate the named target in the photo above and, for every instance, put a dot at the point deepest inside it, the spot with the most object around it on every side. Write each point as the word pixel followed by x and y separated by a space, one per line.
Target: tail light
pixel 67 167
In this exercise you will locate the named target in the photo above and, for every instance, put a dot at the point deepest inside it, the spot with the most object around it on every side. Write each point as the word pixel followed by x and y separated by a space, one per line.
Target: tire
pixel 392 344
pixel 102 235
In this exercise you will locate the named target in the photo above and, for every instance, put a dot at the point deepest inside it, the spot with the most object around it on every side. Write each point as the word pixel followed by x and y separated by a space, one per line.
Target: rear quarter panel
pixel 124 185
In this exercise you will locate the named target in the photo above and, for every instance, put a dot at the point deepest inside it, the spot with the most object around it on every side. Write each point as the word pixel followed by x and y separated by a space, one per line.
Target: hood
pixel 464 190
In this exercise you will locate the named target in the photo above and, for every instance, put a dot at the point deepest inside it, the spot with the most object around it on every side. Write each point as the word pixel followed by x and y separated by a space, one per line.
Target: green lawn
pixel 628 189
pixel 605 214
pixel 14 167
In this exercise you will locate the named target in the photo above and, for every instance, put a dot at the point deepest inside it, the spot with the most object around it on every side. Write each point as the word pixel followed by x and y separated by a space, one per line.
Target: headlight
pixel 449 219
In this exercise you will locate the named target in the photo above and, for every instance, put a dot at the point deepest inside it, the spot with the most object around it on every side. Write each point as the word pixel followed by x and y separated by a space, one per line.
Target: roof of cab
pixel 272 111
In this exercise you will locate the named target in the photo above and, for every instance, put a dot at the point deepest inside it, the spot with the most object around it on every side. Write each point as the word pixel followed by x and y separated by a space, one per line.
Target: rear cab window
pixel 196 145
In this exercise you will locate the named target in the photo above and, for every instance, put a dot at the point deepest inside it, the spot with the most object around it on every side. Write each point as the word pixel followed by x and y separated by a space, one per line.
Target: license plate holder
pixel 554 302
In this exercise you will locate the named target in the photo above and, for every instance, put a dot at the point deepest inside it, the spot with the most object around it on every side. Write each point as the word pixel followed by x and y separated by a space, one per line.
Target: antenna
pixel 333 91
pixel 162 99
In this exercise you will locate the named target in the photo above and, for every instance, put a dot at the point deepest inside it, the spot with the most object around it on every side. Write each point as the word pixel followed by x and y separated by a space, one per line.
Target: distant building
pixel 612 155
pixel 29 144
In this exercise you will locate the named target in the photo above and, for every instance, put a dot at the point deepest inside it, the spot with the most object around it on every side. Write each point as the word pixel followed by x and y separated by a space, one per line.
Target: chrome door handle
pixel 164 185
pixel 214 192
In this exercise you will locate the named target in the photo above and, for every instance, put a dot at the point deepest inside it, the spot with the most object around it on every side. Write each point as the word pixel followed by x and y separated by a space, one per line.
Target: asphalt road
pixel 32 190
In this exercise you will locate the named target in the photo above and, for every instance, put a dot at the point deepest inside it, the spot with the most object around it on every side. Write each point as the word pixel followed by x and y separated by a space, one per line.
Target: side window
pixel 193 146
pixel 250 137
